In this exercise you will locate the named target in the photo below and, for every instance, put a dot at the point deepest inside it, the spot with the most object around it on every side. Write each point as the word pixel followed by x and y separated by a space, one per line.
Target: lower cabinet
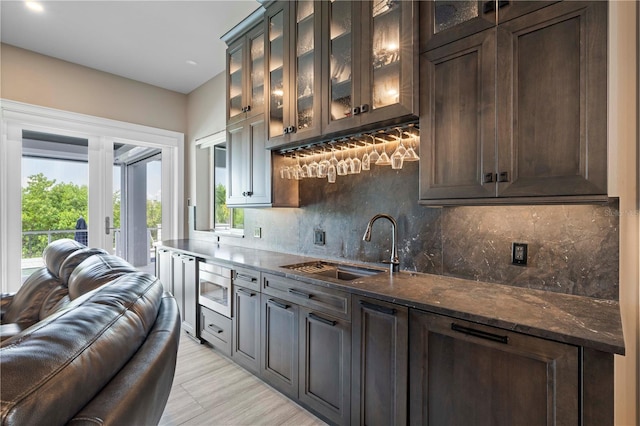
pixel 245 348
pixel 279 345
pixel 325 365
pixel 466 373
pixel 216 329
pixel 379 362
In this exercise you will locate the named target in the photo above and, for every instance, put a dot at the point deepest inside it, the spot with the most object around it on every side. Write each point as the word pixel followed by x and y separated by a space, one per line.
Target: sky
pixel 76 172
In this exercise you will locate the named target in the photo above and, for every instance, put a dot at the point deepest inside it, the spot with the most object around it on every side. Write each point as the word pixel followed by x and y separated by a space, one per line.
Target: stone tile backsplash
pixel 571 248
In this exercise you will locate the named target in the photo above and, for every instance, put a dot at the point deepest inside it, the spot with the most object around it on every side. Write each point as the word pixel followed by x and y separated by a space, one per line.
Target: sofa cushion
pixel 24 309
pixel 76 351
pixel 96 271
pixel 74 259
pixel 57 251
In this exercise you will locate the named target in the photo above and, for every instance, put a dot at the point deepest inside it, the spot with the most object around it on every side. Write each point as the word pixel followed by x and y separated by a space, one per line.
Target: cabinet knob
pixel 247 108
pixel 503 177
pixel 249 193
pixel 355 110
pixel 364 108
pixel 292 129
pixel 487 178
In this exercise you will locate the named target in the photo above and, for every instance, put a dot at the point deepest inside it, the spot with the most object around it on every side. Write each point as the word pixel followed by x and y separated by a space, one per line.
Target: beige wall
pixel 36 79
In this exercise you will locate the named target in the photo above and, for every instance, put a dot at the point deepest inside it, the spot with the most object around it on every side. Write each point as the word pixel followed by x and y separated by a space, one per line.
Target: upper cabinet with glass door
pixel 245 79
pixel 371 74
pixel 294 64
pixel 445 21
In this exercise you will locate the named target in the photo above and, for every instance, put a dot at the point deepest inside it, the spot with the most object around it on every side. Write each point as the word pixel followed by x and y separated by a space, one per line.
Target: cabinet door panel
pixel 236 86
pixel 380 363
pixel 246 328
pixel 178 282
pixel 554 138
pixel 163 269
pixel 458 119
pixel 279 345
pixel 259 167
pixel 237 163
pixel 464 373
pixel 190 295
pixel 444 21
pixel 325 365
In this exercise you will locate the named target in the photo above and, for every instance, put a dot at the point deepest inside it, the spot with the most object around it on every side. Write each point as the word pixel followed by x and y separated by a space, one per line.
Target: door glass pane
pixel 305 47
pixel 276 77
pixel 340 51
pixel 257 71
pixel 137 204
pixel 54 193
pixel 451 13
pixel 235 82
pixel 386 52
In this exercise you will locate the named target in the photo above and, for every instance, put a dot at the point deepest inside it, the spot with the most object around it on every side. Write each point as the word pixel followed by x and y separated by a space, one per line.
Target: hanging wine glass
pixel 397 158
pixel 374 156
pixel 384 159
pixel 411 153
pixel 323 166
pixel 342 168
pixel 331 170
pixel 356 164
pixel 313 166
pixel 304 170
pixel 366 161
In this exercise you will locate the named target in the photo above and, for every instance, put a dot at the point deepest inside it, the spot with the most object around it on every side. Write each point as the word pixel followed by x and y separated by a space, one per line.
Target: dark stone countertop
pixel 577 320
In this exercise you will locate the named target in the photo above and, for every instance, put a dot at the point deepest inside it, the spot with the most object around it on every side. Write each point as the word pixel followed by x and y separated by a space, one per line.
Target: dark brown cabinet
pixel 379 363
pixel 279 344
pixel 325 365
pixel 293 71
pixel 245 349
pixel 517 113
pixel 466 373
pixel 371 69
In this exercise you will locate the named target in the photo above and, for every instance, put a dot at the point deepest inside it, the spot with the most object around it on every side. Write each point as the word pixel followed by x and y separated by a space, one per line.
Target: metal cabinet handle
pixel 244 277
pixel 322 320
pixel 278 304
pixel 503 177
pixel 487 178
pixel 364 108
pixel 355 110
pixel 245 292
pixel 247 108
pixel 479 333
pixel 378 308
pixel 300 293
pixel 215 329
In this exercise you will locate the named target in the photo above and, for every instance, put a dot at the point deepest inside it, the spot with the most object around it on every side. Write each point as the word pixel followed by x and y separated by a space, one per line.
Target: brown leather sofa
pixel 102 349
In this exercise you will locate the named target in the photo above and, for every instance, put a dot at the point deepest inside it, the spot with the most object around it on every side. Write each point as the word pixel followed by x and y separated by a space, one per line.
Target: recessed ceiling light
pixel 190 62
pixel 35 6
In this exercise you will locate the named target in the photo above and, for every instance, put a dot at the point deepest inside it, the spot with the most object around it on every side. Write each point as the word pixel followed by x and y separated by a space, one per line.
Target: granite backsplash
pixel 572 249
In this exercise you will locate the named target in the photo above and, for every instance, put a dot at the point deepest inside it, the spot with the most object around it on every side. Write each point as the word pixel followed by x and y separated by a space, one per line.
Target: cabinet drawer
pixel 334 302
pixel 216 329
pixel 247 278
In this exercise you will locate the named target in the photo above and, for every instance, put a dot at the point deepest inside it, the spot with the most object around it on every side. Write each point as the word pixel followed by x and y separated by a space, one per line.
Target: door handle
pixel 107 225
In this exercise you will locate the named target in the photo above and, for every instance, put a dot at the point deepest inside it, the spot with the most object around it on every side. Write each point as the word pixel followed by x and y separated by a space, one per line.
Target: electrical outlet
pixel 519 254
pixel 257 232
pixel 318 237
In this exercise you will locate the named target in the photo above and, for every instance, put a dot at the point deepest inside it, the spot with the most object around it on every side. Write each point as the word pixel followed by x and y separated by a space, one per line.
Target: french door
pixel 99 144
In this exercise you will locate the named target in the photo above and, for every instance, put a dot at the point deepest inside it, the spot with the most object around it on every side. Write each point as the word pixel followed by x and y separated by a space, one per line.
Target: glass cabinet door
pixel 236 81
pixel 340 60
pixel 389 60
pixel 276 74
pixel 385 58
pixel 256 72
pixel 305 65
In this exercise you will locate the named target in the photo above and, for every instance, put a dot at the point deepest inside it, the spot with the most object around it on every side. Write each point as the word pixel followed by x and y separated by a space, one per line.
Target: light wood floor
pixel 209 389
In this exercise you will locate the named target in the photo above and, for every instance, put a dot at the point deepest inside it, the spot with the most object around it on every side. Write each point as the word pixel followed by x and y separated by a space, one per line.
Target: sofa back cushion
pixel 74 259
pixel 95 271
pixel 57 252
pixel 58 365
pixel 24 309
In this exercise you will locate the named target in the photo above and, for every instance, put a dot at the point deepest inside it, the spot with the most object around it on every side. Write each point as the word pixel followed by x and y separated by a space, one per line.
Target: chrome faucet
pixel 394 264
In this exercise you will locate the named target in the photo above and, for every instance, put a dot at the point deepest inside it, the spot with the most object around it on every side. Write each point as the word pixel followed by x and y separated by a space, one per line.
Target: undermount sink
pixel 334 270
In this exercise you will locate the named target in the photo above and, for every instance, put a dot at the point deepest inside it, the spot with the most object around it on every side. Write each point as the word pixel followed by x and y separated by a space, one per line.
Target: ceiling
pixel 147 41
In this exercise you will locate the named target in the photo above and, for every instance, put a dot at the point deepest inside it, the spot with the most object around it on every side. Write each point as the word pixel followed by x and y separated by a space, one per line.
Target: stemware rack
pixel 352 154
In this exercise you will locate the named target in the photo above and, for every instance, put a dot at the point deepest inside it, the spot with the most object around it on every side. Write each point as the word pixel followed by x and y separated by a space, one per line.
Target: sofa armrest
pixel 138 394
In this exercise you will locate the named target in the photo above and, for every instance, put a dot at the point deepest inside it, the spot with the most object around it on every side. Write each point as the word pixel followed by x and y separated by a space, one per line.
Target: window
pixel 212 213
